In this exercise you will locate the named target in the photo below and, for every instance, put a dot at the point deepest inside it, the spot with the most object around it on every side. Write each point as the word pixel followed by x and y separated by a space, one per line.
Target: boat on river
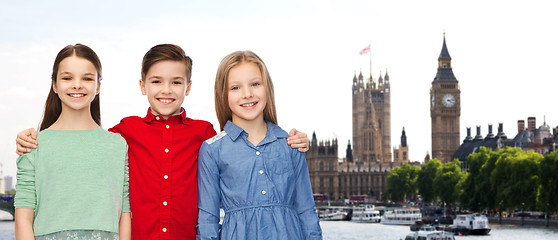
pixel 366 214
pixel 335 214
pixel 401 216
pixel 474 224
pixel 427 232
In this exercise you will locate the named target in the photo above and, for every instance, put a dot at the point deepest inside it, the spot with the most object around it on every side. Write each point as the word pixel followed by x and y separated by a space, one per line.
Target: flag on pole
pixel 365 50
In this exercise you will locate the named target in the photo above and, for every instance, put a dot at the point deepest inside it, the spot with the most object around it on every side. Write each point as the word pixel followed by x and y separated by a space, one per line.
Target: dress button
pixel 157 117
pixel 164 229
pixel 261 171
pixel 166 177
pixel 168 126
pixel 264 192
pixel 166 150
pixel 164 203
pixel 258 153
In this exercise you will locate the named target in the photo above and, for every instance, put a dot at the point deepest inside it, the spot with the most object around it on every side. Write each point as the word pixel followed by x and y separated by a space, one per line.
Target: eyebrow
pixel 69 73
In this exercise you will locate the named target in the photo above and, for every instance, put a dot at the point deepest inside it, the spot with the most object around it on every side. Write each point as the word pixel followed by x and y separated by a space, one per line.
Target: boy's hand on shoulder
pixel 298 140
pixel 26 140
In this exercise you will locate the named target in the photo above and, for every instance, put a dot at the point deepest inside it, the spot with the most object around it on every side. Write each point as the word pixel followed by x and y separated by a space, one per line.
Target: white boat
pixel 366 214
pixel 334 214
pixel 476 224
pixel 429 232
pixel 401 216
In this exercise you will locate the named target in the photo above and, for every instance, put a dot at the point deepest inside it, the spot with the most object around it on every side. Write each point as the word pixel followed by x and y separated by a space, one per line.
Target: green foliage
pixel 446 182
pixel 547 197
pixel 516 178
pixel 425 180
pixel 476 184
pixel 401 182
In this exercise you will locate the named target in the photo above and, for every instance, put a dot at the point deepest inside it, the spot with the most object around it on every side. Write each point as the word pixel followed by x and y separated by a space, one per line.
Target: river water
pixel 358 231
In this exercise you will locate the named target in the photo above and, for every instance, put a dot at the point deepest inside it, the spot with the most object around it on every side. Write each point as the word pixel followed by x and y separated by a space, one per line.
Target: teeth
pixel 248 105
pixel 77 94
pixel 166 100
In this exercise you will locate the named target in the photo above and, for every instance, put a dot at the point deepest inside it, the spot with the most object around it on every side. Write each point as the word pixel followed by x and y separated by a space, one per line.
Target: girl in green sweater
pixel 75 185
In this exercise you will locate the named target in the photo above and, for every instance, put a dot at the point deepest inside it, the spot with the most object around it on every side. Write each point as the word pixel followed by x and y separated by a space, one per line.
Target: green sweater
pixel 75 180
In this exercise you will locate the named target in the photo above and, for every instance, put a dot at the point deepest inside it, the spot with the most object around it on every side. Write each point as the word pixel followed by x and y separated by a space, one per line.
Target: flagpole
pixel 370 52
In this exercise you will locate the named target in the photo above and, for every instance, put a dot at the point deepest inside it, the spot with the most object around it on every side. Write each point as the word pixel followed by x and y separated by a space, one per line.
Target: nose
pixel 166 87
pixel 76 84
pixel 246 92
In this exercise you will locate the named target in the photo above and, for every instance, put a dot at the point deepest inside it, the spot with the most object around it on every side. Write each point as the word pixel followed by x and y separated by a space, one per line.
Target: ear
pixel 188 88
pixel 54 87
pixel 142 87
pixel 98 88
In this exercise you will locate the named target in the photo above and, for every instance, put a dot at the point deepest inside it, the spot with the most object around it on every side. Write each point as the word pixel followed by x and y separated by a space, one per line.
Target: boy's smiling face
pixel 166 86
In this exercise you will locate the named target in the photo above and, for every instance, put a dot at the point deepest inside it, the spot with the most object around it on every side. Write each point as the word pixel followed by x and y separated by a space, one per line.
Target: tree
pixel 446 182
pixel 425 179
pixel 547 197
pixel 401 182
pixel 476 183
pixel 516 177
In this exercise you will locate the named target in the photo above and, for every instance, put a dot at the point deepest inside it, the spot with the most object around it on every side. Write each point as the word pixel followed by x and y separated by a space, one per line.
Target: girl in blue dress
pixel 262 184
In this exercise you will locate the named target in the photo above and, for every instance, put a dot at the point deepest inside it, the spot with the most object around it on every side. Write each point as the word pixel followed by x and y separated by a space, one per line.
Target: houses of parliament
pixel 369 158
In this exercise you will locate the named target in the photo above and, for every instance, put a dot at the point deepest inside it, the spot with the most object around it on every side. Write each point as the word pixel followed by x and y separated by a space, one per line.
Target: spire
pixel 387 76
pixel 444 55
pixel 349 152
pixel 381 79
pixel 445 72
pixel 403 138
pixel 360 77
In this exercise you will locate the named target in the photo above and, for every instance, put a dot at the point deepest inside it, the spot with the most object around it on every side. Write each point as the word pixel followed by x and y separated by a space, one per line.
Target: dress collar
pixel 273 132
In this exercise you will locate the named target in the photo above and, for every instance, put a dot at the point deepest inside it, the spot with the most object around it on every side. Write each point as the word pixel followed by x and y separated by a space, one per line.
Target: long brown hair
pixel 53 105
pixel 222 108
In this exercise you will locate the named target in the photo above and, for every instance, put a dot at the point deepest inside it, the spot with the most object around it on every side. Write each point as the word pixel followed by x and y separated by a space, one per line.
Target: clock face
pixel 448 100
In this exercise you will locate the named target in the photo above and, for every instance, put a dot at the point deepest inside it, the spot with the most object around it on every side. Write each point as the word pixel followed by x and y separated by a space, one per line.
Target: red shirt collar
pixel 179 117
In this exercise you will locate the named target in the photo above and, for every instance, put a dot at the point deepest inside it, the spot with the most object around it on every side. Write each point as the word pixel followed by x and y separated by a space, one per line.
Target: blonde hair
pixel 222 108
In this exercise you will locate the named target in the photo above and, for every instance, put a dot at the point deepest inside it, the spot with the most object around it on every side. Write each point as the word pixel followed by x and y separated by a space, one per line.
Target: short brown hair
pixel 222 108
pixel 165 52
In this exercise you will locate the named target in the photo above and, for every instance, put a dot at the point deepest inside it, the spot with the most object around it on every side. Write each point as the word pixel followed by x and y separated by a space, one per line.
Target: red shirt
pixel 163 157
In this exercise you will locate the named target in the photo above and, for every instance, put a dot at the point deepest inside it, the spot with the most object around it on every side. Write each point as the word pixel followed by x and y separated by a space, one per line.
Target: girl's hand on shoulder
pixel 298 140
pixel 26 140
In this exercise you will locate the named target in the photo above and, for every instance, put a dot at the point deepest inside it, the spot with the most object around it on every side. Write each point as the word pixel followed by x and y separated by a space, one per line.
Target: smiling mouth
pixel 165 100
pixel 249 104
pixel 76 95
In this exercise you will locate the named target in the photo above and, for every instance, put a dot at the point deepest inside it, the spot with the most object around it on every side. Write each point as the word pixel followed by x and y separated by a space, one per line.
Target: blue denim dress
pixel 264 190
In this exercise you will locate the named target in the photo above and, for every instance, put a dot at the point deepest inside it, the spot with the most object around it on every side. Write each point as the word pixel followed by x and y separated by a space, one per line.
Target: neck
pixel 256 129
pixel 74 120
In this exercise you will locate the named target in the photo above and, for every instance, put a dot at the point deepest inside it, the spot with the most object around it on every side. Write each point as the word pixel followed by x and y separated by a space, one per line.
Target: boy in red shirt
pixel 163 149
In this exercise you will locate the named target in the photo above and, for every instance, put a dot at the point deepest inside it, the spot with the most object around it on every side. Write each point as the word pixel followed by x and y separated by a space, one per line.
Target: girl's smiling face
pixel 246 93
pixel 76 83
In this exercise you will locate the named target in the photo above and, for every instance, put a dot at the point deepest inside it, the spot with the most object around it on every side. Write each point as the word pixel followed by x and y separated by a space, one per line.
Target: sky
pixel 504 55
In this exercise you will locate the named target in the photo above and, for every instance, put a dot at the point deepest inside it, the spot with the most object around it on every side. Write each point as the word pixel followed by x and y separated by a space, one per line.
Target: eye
pixel 234 88
pixel 176 82
pixel 66 78
pixel 256 84
pixel 88 79
pixel 155 81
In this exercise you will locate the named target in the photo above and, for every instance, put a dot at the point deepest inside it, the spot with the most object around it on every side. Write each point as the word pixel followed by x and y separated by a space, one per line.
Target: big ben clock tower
pixel 445 109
